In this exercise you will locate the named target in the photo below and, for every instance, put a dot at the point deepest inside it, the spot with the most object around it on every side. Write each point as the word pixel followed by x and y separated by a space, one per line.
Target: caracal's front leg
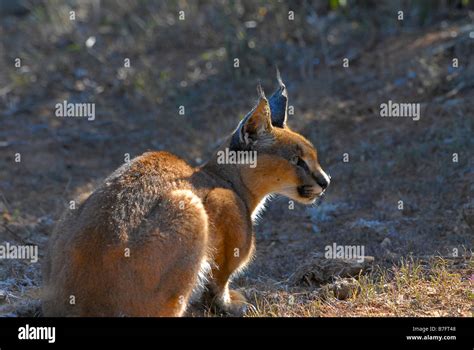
pixel 232 245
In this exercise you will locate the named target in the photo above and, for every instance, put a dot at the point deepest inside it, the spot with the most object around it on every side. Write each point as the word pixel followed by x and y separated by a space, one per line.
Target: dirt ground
pixel 389 159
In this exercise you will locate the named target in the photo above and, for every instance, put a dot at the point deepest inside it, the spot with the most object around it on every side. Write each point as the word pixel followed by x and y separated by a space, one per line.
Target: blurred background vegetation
pixel 214 33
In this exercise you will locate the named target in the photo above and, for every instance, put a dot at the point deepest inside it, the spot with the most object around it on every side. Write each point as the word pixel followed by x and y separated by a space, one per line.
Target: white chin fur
pixel 309 201
pixel 293 194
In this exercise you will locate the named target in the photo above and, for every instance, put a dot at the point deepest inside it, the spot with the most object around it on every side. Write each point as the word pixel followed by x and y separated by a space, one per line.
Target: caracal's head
pixel 287 163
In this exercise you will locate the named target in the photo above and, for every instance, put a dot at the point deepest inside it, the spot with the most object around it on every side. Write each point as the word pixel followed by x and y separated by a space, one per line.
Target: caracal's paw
pixel 238 305
pixel 233 304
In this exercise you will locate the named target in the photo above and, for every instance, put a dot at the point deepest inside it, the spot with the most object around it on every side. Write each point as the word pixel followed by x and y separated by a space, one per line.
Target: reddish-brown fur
pixel 137 245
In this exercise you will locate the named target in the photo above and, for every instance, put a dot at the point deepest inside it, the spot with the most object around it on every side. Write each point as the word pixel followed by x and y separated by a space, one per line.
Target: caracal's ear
pixel 279 104
pixel 256 127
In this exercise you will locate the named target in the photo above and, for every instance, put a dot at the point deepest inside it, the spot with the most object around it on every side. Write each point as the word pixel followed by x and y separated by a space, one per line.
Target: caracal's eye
pixel 302 164
pixel 294 160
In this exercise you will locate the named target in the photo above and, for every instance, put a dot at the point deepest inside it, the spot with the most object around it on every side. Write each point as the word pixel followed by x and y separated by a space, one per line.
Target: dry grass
pixel 414 288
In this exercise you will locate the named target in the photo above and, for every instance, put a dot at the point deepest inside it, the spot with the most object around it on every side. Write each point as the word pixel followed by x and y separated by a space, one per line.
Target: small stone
pixel 468 214
pixel 386 243
pixel 344 289
pixel 3 296
pixel 319 270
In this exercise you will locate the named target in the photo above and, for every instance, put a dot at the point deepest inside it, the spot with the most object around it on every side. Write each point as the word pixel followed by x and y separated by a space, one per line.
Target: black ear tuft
pixel 260 92
pixel 279 104
pixel 255 127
